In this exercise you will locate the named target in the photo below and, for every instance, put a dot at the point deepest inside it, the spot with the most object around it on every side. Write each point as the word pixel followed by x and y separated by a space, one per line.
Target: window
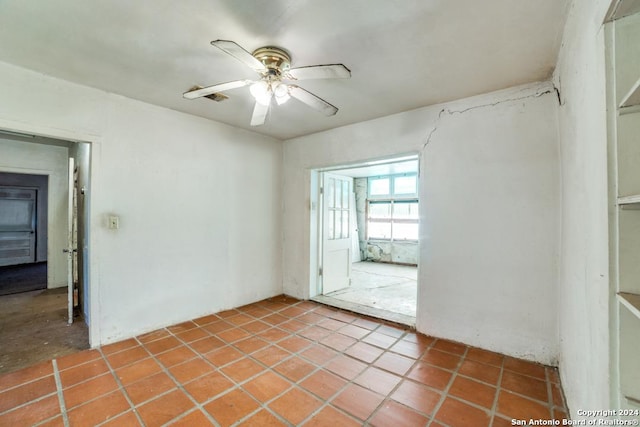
pixel 337 200
pixel 379 186
pixel 392 208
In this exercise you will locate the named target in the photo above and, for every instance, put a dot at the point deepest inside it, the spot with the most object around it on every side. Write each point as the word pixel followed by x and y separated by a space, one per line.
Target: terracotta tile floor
pixel 281 362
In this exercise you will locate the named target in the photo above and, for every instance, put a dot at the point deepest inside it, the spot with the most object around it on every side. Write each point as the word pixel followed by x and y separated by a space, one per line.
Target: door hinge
pixel 320 271
pixel 321 190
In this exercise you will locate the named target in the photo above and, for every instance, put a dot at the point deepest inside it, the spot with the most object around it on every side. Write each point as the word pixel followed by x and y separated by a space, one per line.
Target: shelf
pixel 621 8
pixel 631 301
pixel 629 110
pixel 629 202
pixel 633 400
pixel 633 97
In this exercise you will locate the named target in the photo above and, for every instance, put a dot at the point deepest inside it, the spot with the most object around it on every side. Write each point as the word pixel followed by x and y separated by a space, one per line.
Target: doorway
pixel 23 232
pixel 36 224
pixel 367 236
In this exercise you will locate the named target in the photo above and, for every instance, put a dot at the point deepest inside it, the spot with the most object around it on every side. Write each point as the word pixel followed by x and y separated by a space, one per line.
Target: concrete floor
pixel 387 291
pixel 34 328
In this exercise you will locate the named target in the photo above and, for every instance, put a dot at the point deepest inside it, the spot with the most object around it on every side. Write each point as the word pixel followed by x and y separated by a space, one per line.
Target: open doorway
pixel 368 248
pixel 43 248
pixel 23 232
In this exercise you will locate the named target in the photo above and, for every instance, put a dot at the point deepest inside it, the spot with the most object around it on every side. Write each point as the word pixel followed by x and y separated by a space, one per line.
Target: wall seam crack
pixel 493 104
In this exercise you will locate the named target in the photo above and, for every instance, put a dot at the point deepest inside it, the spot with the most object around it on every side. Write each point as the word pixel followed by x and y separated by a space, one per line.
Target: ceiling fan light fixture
pixel 281 93
pixel 273 65
pixel 262 92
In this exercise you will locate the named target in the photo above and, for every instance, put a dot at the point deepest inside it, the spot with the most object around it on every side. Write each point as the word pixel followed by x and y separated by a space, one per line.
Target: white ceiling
pixel 403 54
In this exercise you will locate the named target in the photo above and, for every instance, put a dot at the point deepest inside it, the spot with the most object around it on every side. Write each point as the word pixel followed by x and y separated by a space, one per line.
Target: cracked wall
pixel 489 217
pixel 583 288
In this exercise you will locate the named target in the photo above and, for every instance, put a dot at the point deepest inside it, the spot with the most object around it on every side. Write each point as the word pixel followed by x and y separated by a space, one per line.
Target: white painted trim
pixel 93 259
pixel 315 208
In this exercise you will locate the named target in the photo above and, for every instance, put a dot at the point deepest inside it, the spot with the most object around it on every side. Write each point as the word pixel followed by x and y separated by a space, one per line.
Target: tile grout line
pixel 403 377
pixel 261 405
pixel 494 407
pixel 399 338
pixel 120 387
pixel 236 386
pixel 180 386
pixel 550 402
pixel 319 367
pixel 22 405
pixel 326 402
pixel 296 385
pixel 63 409
pixel 445 391
pixel 387 396
pixel 22 383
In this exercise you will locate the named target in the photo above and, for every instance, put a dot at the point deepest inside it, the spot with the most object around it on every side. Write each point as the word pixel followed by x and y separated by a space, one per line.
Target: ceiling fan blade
pixel 312 101
pixel 331 71
pixel 259 114
pixel 235 50
pixel 197 93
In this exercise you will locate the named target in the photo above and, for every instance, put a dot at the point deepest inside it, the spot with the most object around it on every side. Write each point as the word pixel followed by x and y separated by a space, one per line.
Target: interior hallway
pixel 34 328
pixel 281 362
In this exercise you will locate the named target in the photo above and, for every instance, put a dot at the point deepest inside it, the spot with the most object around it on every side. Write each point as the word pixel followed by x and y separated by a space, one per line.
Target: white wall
pixel 584 277
pixel 40 159
pixel 489 196
pixel 199 203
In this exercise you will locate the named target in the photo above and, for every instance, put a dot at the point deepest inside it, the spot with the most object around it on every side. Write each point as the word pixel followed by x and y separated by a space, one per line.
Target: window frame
pixel 391 199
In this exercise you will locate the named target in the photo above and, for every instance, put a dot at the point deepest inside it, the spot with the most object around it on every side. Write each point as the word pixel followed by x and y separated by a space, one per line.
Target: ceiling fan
pixel 276 79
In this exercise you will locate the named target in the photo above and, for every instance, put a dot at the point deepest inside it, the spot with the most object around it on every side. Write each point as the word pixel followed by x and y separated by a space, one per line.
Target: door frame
pixel 28 133
pixel 316 209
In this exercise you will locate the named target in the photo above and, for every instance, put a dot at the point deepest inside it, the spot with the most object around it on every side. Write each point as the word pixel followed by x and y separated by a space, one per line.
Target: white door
pixel 71 249
pixel 17 226
pixel 336 241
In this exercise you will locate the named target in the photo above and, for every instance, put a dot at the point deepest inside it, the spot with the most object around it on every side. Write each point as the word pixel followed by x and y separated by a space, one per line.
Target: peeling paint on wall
pixel 449 112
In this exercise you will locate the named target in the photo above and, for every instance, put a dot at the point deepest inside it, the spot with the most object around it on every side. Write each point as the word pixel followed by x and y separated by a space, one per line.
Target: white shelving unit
pixel 631 301
pixel 632 98
pixel 624 78
pixel 629 202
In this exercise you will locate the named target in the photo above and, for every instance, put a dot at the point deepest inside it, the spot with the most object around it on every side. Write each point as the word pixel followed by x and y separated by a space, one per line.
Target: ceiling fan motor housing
pixel 276 60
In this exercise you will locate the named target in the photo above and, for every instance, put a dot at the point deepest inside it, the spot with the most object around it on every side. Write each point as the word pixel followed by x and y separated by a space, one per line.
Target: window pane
pixel 330 226
pixel 330 193
pixel 345 224
pixel 405 210
pixel 338 193
pixel 379 230
pixel 17 215
pixel 405 185
pixel 380 210
pixel 405 231
pixel 379 186
pixel 345 194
